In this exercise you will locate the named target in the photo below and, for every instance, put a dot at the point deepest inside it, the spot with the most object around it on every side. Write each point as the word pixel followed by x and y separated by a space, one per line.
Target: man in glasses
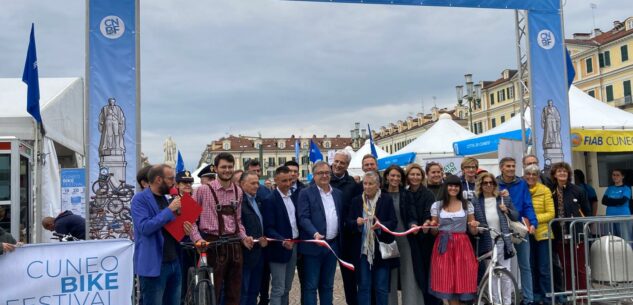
pixel 533 160
pixel 320 217
pixel 156 259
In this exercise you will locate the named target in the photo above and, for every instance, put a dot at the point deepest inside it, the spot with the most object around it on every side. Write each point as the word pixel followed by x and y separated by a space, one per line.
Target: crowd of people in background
pixel 437 263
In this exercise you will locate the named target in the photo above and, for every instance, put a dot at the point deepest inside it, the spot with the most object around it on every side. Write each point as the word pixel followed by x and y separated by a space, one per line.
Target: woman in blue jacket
pixel 617 198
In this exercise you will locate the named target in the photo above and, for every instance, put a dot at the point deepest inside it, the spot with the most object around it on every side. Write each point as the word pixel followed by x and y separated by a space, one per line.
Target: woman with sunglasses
pixel 493 210
pixel 453 262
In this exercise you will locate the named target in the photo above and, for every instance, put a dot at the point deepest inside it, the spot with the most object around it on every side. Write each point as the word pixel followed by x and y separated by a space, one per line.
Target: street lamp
pixel 473 96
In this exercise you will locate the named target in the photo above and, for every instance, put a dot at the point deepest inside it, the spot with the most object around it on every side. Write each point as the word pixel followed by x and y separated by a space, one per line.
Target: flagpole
pixel 36 210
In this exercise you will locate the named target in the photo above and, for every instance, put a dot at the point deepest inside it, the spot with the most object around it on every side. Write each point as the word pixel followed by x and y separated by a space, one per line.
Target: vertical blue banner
pixel 111 114
pixel 74 190
pixel 549 89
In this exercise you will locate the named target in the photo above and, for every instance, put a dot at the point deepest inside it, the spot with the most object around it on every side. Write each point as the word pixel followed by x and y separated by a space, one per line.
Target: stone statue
pixel 144 160
pixel 112 128
pixel 550 122
pixel 169 147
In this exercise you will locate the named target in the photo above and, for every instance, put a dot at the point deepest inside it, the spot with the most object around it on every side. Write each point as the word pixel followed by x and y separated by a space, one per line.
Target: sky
pixel 244 67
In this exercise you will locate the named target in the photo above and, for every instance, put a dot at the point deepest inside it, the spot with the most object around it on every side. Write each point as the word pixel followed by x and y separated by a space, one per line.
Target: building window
pixel 589 65
pixel 258 145
pixel 624 51
pixel 502 95
pixel 511 92
pixel 492 98
pixel 604 59
pixel 5 178
pixel 281 144
pixel 305 160
pixel 494 122
pixel 304 145
pixel 282 160
pixel 327 144
pixel 609 90
pixel 512 114
pixel 503 119
pixel 271 161
pixel 627 88
pixel 304 173
pixel 226 145
pixel 592 93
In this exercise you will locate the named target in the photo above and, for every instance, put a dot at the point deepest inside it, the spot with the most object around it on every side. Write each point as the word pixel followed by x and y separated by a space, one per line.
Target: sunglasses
pixel 488 183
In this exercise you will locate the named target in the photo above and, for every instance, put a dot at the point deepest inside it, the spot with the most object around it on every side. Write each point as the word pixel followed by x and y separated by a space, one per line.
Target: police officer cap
pixel 184 176
pixel 205 172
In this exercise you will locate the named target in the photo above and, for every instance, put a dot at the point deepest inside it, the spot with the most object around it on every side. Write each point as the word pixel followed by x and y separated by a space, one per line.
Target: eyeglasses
pixel 470 167
pixel 530 174
pixel 324 173
pixel 488 183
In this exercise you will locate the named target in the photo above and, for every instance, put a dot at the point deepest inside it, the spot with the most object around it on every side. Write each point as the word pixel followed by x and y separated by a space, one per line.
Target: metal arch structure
pixel 541 51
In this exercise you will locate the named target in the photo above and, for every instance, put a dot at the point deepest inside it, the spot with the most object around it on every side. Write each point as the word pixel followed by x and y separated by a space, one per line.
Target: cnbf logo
pixel 576 139
pixel 112 27
pixel 546 39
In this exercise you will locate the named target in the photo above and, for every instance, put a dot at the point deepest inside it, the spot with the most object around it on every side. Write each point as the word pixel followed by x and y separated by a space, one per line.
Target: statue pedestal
pixel 116 165
pixel 551 156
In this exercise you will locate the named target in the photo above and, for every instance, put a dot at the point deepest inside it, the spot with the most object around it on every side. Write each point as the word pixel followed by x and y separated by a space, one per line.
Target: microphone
pixel 173 192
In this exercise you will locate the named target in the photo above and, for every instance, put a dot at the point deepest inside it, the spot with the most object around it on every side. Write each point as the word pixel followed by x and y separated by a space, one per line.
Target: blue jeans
pixel 541 277
pixel 374 279
pixel 319 272
pixel 165 288
pixel 523 257
pixel 251 282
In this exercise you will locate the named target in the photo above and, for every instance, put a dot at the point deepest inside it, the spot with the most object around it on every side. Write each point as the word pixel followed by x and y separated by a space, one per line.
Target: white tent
pixel 62 109
pixel 350 150
pixel 438 140
pixel 355 166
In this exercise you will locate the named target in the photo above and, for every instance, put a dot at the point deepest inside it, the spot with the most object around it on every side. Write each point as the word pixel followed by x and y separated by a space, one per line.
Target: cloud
pixel 284 67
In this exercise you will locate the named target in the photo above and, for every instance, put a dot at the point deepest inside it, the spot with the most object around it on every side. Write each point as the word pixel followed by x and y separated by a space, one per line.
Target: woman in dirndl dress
pixel 453 262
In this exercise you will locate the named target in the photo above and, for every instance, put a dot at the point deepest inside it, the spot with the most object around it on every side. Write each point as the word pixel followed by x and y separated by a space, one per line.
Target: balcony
pixel 624 102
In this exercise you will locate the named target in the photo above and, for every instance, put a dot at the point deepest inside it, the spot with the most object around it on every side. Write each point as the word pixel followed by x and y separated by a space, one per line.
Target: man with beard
pixel 342 181
pixel 155 250
pixel 221 218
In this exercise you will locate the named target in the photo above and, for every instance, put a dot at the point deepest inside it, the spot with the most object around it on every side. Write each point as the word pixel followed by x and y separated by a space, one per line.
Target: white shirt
pixel 292 216
pixel 331 217
pixel 492 216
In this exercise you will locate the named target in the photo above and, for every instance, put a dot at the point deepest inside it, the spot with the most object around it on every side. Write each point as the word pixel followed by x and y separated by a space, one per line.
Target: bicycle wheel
pixel 484 294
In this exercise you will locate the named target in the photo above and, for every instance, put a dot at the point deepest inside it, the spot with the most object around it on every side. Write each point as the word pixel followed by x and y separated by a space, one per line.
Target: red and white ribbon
pixel 319 242
pixel 405 233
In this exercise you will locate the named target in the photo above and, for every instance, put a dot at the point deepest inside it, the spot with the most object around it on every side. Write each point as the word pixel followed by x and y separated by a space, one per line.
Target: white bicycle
pixel 490 291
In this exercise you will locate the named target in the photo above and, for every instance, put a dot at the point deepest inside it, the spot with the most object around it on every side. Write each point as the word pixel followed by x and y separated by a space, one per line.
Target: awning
pixel 400 160
pixel 486 144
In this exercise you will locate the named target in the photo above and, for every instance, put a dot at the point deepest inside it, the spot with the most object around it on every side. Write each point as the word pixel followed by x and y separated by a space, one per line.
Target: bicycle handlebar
pixel 64 237
pixel 206 244
pixel 511 234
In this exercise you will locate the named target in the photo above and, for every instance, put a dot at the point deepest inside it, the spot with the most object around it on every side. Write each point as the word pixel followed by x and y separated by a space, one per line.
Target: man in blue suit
pixel 320 217
pixel 280 221
pixel 156 259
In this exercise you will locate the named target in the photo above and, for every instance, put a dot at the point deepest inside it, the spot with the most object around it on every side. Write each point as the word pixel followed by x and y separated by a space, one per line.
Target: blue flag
pixel 371 143
pixel 315 153
pixel 571 73
pixel 30 77
pixel 297 149
pixel 180 164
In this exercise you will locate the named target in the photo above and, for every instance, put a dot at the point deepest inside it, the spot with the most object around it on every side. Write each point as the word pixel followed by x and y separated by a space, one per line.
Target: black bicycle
pixel 200 286
pixel 104 185
pixel 64 237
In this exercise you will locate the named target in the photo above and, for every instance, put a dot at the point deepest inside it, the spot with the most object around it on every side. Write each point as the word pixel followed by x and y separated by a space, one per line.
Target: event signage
pixel 601 140
pixel 112 113
pixel 74 190
pixel 85 272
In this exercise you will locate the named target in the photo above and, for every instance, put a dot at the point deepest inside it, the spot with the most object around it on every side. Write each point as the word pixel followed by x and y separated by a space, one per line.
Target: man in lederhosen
pixel 221 214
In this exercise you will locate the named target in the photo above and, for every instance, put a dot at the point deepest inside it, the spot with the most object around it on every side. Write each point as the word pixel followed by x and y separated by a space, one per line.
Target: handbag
pixel 516 227
pixel 388 250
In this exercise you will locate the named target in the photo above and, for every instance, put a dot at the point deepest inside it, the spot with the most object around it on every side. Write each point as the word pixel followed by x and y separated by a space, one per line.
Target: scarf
pixel 561 205
pixel 369 210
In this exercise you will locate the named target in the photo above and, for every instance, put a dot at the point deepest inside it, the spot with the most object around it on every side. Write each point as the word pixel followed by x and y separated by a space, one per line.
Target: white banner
pixel 84 272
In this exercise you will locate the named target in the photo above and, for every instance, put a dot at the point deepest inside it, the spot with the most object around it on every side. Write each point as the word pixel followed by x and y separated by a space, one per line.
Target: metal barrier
pixel 593 259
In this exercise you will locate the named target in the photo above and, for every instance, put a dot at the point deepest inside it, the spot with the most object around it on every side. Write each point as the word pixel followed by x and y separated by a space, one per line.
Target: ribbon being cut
pixel 345 264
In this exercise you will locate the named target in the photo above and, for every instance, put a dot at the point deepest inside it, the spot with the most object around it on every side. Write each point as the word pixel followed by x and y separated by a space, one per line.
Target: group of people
pixel 282 230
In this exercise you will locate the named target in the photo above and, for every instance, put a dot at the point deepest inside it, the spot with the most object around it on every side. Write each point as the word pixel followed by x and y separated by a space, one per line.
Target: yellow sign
pixel 602 140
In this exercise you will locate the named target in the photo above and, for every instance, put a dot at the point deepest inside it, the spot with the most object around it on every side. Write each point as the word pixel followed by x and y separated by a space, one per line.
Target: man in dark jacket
pixel 254 226
pixel 66 223
pixel 345 183
pixel 7 242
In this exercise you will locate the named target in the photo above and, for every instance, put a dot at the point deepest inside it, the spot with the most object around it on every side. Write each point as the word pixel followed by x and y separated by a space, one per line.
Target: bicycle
pixel 498 272
pixel 200 286
pixel 104 184
pixel 64 237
